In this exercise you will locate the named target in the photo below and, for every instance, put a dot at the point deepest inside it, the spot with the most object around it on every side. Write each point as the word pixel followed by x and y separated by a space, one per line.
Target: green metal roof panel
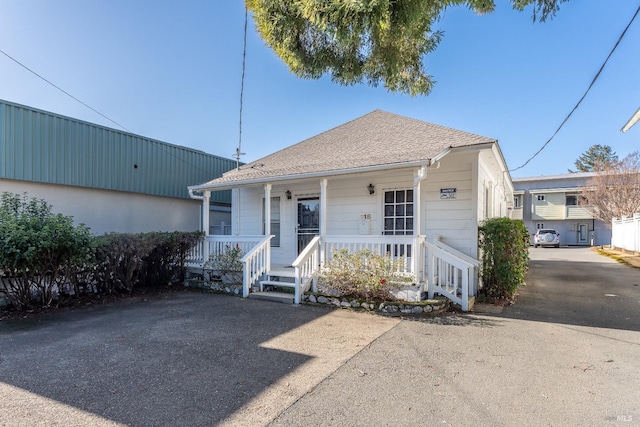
pixel 40 146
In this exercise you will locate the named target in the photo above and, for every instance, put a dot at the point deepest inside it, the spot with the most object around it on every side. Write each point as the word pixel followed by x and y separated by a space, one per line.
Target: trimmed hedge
pixel 505 257
pixel 43 255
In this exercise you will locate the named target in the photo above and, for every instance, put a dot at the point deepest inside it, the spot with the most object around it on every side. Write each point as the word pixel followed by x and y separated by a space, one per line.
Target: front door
pixel 583 233
pixel 308 221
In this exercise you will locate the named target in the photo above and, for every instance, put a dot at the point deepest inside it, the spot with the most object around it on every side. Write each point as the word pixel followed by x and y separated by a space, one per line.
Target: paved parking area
pixel 182 359
pixel 203 359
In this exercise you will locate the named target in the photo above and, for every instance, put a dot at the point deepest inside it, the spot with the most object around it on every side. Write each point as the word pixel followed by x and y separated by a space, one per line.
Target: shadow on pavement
pixel 186 359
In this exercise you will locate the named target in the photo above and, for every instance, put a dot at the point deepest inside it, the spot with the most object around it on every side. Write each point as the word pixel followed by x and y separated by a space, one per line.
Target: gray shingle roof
pixel 375 139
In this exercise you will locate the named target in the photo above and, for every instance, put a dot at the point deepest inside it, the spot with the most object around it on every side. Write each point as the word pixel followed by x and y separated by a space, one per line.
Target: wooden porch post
pixel 205 224
pixel 418 254
pixel 267 209
pixel 323 216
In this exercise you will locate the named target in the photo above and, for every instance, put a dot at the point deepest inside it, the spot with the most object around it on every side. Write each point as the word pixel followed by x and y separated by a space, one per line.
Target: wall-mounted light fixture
pixel 288 193
pixel 371 188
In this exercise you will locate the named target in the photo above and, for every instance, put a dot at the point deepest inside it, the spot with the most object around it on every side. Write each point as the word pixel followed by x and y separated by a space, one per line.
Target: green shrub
pixel 228 260
pixel 127 260
pixel 166 261
pixel 362 274
pixel 38 249
pixel 505 256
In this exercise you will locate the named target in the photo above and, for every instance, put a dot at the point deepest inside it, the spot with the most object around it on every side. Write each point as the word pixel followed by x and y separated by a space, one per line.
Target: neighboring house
pixel 554 202
pixel 107 179
pixel 384 182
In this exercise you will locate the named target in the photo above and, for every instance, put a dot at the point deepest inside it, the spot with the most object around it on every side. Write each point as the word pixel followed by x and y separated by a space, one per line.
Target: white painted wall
pixel 452 219
pixel 455 220
pixel 105 210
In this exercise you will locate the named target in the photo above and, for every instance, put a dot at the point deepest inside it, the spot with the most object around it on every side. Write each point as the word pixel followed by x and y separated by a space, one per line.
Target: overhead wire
pixel 98 112
pixel 239 152
pixel 62 90
pixel 593 81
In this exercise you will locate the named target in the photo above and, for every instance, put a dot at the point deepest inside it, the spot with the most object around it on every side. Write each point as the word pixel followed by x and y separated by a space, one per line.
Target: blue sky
pixel 171 71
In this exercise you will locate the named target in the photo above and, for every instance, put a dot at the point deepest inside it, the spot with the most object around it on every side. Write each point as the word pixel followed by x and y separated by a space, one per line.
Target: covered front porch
pixel 436 267
pixel 292 229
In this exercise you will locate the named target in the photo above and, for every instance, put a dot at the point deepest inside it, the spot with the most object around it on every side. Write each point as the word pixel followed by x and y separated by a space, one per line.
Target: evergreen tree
pixel 596 158
pixel 372 41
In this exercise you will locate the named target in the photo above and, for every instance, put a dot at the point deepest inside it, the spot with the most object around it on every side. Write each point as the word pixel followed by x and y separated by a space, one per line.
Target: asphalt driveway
pixel 181 359
pixel 204 359
pixel 578 286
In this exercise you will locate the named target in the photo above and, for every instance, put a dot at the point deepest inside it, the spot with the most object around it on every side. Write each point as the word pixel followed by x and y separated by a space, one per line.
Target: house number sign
pixel 447 193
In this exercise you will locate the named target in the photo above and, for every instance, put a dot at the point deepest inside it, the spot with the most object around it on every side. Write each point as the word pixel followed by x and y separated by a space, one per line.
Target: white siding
pixel 452 219
pixel 348 199
pixel 551 208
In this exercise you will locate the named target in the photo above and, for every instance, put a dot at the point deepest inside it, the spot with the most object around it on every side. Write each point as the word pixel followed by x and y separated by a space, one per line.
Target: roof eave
pixel 320 174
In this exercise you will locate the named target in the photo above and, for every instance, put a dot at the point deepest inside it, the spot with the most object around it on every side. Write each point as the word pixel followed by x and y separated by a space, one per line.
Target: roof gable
pixel 375 139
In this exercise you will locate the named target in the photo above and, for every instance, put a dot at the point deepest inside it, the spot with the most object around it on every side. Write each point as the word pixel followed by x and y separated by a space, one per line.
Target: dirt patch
pixel 623 257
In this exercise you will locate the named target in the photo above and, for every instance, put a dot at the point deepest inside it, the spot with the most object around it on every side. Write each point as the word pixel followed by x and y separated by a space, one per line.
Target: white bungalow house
pixel 385 182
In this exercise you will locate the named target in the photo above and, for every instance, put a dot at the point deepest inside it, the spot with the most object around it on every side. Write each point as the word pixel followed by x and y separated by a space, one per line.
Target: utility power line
pixel 593 81
pixel 62 90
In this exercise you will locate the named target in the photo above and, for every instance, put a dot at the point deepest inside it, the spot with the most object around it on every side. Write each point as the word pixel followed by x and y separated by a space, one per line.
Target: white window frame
pixel 517 201
pixel 395 216
pixel 540 198
pixel 276 213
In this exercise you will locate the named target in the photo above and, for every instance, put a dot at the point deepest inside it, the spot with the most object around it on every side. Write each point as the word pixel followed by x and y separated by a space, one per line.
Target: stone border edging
pixel 393 308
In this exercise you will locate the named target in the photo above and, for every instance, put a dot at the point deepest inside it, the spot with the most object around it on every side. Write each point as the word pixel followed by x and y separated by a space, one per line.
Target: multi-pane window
pixel 540 197
pixel 539 226
pixel 571 200
pixel 398 212
pixel 275 221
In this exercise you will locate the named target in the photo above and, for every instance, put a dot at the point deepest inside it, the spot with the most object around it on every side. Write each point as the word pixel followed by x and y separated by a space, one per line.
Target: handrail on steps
pixel 305 265
pixel 255 263
pixel 458 260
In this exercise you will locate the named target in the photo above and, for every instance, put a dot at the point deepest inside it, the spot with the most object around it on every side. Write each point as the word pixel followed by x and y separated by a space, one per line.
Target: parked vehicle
pixel 546 237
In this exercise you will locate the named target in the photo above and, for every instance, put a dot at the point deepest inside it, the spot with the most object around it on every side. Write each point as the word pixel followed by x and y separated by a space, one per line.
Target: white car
pixel 546 237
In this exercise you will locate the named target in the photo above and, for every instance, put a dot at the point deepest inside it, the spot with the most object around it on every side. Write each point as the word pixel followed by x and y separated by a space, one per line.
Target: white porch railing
pixel 625 233
pixel 405 248
pixel 305 267
pixel 446 270
pixel 451 273
pixel 255 263
pixel 218 244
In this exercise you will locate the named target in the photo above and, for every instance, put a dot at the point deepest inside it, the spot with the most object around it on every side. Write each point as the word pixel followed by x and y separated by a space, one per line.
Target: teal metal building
pixel 40 146
pixel 48 153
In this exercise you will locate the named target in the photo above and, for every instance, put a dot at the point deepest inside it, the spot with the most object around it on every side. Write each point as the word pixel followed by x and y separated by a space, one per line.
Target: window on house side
pixel 539 226
pixel 571 200
pixel 540 197
pixel 275 221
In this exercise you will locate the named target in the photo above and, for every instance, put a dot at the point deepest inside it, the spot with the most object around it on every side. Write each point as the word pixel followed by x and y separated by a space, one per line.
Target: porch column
pixel 206 197
pixel 323 216
pixel 267 209
pixel 418 256
pixel 323 207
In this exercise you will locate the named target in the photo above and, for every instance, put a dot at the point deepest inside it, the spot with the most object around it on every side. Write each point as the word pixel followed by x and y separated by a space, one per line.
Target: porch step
pixel 281 297
pixel 281 271
pixel 277 283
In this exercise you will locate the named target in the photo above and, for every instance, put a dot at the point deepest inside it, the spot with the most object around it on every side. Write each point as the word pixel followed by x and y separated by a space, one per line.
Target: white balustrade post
pixel 205 225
